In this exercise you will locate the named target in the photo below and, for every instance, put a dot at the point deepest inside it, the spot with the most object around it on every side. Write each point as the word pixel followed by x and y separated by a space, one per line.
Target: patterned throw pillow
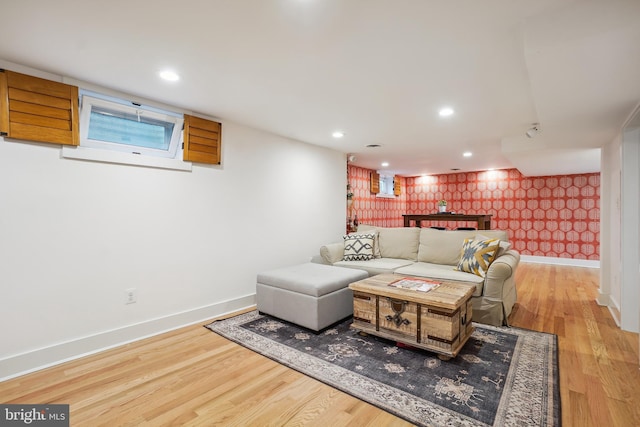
pixel 376 243
pixel 371 229
pixel 504 246
pixel 358 247
pixel 477 255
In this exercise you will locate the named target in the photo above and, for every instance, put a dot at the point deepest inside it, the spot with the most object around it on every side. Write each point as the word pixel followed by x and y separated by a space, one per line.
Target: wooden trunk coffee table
pixel 438 320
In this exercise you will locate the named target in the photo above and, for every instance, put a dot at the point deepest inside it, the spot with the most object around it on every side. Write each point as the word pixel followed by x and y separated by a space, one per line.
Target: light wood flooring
pixel 193 377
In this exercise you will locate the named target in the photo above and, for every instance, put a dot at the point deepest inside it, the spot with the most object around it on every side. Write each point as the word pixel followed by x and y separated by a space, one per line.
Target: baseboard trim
pixel 35 360
pixel 603 299
pixel 560 261
pixel 615 313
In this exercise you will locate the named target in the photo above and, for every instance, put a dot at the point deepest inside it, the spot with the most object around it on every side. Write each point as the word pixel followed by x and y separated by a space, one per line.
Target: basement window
pixel 386 187
pixel 115 130
pixel 110 123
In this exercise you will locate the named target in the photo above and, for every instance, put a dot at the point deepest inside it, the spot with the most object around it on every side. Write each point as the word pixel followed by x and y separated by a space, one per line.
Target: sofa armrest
pixel 501 270
pixel 332 252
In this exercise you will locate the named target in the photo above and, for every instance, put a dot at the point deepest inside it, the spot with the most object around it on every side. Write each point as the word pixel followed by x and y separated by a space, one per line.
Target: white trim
pixel 35 360
pixel 615 314
pixel 385 180
pixel 560 261
pixel 633 119
pixel 603 299
pixel 106 156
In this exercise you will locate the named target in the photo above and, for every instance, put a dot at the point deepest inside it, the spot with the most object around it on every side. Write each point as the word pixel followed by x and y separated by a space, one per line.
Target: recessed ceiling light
pixel 445 111
pixel 169 75
pixel 467 154
pixel 337 134
pixel 384 164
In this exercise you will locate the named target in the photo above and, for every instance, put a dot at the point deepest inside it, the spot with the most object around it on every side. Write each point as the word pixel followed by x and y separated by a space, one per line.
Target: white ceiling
pixel 377 69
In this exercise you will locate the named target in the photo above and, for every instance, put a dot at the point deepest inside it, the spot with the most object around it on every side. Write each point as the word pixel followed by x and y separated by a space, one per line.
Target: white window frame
pixel 89 99
pixel 386 187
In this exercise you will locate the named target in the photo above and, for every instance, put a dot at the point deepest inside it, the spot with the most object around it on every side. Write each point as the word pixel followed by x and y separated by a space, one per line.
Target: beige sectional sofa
pixel 436 254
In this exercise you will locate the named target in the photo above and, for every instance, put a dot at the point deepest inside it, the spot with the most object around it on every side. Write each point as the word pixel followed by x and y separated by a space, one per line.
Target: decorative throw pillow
pixel 358 247
pixel 504 246
pixel 477 255
pixel 370 229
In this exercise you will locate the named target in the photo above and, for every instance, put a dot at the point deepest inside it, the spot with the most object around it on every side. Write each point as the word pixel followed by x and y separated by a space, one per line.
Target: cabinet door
pixel 202 140
pixel 4 104
pixel 397 189
pixel 374 182
pixel 35 109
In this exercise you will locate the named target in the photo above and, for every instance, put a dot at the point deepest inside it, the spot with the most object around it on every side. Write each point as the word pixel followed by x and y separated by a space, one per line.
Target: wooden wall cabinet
pixel 397 187
pixel 35 109
pixel 374 182
pixel 202 140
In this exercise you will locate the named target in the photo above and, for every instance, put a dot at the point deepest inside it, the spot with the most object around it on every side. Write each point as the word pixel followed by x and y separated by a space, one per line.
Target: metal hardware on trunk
pixel 442 340
pixel 398 308
pixel 442 313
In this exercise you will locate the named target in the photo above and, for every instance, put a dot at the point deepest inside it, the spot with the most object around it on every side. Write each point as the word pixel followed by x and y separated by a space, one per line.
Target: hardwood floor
pixel 194 377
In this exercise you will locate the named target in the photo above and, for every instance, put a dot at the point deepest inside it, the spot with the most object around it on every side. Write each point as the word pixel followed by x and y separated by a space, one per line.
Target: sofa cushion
pixel 358 247
pixel 376 265
pixel 442 272
pixel 400 242
pixel 444 246
pixel 477 255
pixel 441 246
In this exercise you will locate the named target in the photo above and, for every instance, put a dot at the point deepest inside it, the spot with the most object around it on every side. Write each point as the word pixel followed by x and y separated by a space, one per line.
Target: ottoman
pixel 310 295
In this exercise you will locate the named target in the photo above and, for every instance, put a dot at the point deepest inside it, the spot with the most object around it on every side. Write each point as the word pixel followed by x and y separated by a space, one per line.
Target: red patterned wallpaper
pixel 553 216
pixel 374 210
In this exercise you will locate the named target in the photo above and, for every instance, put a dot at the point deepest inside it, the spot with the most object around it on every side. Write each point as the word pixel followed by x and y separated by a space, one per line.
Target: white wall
pixel 620 234
pixel 630 236
pixel 610 265
pixel 75 234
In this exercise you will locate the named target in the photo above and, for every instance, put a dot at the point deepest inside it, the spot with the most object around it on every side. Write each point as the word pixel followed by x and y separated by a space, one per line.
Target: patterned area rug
pixel 502 376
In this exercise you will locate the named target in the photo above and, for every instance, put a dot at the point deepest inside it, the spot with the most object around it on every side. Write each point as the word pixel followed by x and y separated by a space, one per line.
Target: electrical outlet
pixel 131 295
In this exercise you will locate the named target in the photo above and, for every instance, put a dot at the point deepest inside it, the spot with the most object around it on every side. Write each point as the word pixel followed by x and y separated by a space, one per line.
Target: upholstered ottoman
pixel 310 295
